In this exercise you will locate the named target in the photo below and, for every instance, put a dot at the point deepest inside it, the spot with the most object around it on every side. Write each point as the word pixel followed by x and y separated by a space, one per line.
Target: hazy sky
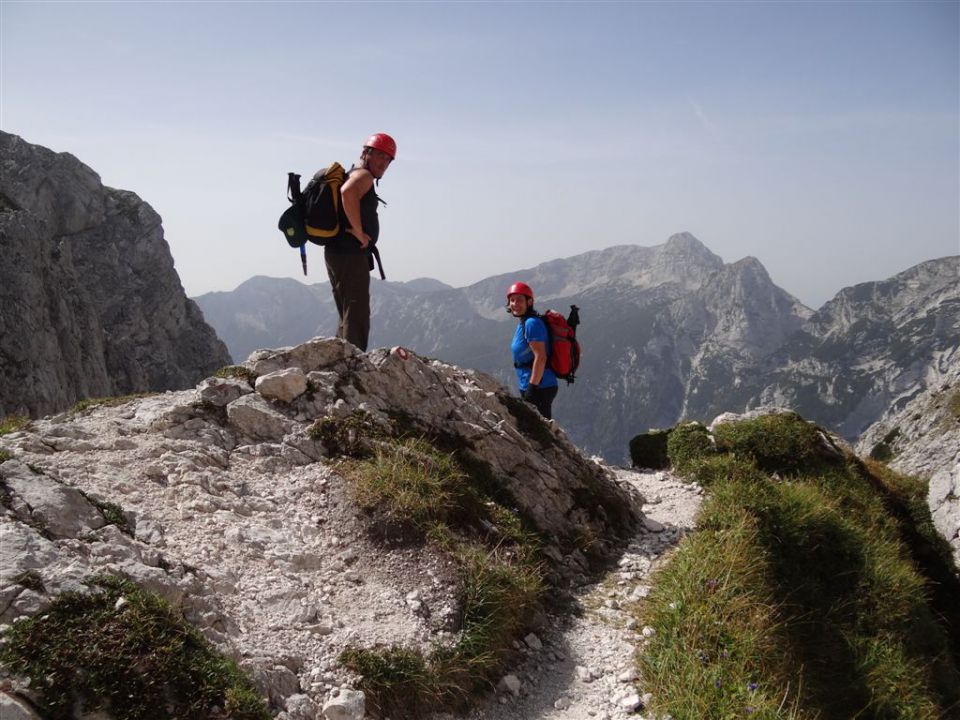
pixel 821 137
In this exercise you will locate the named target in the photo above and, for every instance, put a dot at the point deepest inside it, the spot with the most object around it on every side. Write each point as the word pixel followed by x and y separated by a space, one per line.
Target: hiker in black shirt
pixel 349 258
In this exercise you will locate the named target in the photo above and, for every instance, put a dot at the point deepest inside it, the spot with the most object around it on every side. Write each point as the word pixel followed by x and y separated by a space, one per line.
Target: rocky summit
pixel 90 303
pixel 234 501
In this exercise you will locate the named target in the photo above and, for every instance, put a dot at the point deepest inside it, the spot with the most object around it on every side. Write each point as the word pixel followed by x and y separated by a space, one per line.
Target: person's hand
pixel 361 237
pixel 531 392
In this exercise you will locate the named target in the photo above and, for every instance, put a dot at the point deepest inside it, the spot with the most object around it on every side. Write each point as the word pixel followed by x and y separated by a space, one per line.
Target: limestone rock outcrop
pixel 223 501
pixel 920 435
pixel 90 302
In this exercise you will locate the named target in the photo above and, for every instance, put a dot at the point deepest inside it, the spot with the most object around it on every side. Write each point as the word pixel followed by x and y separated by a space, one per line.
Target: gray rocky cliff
pixel 868 348
pixel 90 302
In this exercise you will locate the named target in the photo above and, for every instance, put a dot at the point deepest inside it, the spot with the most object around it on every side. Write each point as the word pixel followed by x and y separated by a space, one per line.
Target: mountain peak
pixel 687 243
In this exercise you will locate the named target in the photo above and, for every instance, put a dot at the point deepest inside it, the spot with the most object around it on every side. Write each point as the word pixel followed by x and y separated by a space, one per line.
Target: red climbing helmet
pixel 383 142
pixel 520 288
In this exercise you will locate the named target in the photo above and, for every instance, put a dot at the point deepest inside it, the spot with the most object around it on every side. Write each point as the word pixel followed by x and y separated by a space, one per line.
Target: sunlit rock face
pixel 90 302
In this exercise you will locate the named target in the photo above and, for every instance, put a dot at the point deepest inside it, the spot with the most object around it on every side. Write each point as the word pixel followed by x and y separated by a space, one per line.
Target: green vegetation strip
pixel 408 481
pixel 137 660
pixel 91 403
pixel 13 423
pixel 814 587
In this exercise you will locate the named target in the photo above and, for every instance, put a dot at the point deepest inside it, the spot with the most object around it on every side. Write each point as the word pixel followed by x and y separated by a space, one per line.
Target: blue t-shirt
pixel 535 330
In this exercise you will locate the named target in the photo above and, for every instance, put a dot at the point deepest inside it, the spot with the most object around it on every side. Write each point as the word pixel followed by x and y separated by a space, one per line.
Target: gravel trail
pixel 583 667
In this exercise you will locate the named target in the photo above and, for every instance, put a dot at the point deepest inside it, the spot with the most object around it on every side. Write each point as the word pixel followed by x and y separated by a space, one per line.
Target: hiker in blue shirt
pixel 538 383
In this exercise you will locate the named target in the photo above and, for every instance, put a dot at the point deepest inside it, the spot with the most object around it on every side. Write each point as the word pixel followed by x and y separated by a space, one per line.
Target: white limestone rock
pixel 284 385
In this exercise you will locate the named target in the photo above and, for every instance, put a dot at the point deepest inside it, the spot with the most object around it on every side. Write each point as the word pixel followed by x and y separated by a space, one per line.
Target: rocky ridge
pixel 920 435
pixel 237 514
pixel 90 302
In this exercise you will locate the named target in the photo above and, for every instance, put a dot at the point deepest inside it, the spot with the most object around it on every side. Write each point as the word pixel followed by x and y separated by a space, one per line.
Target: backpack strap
pixel 376 256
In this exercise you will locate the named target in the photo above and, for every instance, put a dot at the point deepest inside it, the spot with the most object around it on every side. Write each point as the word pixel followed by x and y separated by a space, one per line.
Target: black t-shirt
pixel 347 244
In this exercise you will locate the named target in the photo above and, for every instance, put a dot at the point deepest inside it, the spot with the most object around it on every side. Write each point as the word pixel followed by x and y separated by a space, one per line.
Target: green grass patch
pixel 782 443
pixel 140 661
pixel 409 481
pixel 236 371
pixel 88 404
pixel 823 595
pixel 5 455
pixel 687 446
pixel 13 423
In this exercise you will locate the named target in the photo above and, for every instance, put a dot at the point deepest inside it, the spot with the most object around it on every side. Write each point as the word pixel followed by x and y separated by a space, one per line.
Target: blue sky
pixel 821 137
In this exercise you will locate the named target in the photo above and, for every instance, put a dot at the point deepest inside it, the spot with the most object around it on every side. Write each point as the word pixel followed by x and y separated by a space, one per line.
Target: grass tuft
pixel 138 661
pixel 236 371
pixel 13 423
pixel 87 404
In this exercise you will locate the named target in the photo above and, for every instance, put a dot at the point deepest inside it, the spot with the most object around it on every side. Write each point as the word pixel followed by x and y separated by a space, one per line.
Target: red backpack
pixel 563 350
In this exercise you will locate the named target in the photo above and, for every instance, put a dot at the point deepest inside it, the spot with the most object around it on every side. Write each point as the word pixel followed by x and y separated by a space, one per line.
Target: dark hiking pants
pixel 350 280
pixel 543 401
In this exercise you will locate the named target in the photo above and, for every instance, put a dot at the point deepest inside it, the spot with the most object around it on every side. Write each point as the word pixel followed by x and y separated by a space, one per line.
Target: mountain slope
pixel 90 303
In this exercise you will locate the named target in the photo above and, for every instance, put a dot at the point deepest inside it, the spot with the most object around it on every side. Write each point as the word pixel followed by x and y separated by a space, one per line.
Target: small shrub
pixel 31 580
pixel 649 450
pixel 114 515
pixel 139 661
pixel 687 446
pixel 347 436
pixel 883 450
pixel 5 455
pixel 13 423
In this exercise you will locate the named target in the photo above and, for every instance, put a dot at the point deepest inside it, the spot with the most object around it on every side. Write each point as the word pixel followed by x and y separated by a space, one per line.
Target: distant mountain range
pixel 669 332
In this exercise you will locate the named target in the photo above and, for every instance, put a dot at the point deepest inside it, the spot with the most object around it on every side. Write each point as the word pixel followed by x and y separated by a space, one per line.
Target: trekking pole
pixel 573 319
pixel 303 257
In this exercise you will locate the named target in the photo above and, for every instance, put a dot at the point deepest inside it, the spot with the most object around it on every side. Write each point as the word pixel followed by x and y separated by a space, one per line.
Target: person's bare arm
pixel 539 361
pixel 356 186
